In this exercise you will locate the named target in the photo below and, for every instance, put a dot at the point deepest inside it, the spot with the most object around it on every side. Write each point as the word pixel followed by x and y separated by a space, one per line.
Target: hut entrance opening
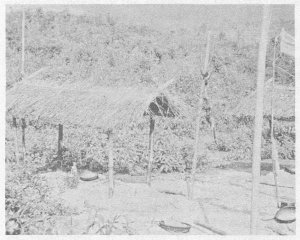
pixel 160 107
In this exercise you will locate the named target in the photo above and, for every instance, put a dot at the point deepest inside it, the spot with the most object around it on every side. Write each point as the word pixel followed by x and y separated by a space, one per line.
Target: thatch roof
pixel 90 105
pixel 284 103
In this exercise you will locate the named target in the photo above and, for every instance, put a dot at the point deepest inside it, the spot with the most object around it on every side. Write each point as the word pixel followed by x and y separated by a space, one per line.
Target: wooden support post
pixel 152 125
pixel 82 156
pixel 60 141
pixel 196 144
pixel 23 45
pixel 256 157
pixel 110 164
pixel 16 139
pixel 23 125
pixel 213 127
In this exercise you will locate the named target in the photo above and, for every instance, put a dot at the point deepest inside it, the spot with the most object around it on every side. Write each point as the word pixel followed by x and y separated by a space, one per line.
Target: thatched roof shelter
pixel 90 105
pixel 284 103
pixel 85 103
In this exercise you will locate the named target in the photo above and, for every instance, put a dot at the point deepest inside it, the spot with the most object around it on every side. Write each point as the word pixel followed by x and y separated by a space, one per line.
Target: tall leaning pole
pixel 197 139
pixel 256 157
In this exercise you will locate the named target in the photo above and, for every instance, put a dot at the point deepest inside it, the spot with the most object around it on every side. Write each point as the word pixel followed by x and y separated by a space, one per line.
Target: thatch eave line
pixel 100 106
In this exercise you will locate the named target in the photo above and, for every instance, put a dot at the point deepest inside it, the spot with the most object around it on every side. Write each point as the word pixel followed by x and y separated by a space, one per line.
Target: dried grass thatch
pixel 90 105
pixel 284 103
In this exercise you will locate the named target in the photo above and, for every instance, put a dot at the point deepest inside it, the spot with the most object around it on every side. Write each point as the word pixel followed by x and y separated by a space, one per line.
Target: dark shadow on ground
pixel 266 166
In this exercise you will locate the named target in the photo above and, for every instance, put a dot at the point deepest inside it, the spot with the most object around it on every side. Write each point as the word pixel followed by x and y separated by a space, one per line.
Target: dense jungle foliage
pixel 103 49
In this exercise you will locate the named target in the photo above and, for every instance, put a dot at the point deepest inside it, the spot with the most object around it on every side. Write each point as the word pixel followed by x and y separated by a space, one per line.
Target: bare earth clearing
pixel 222 200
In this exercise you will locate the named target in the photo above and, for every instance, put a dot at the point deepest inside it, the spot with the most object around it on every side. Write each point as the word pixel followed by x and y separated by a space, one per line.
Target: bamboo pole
pixel 151 137
pixel 110 164
pixel 16 139
pixel 23 137
pixel 256 157
pixel 196 144
pixel 207 52
pixel 23 45
pixel 274 149
pixel 211 119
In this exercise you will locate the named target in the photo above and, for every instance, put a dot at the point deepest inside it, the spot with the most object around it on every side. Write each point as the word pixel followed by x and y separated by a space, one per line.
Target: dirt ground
pixel 222 199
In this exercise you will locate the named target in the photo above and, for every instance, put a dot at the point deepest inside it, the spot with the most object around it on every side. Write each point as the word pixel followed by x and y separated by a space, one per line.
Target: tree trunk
pixel 152 125
pixel 256 157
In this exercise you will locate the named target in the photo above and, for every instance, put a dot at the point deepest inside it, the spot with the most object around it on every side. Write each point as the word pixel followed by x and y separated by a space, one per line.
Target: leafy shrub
pixel 240 139
pixel 28 201
pixel 286 142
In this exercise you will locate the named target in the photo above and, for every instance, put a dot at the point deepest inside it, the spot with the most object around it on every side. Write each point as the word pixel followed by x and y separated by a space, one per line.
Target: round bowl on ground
pixel 88 176
pixel 175 226
pixel 286 214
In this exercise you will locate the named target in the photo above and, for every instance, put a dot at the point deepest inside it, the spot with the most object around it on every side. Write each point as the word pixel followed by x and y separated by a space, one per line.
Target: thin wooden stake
pixel 110 164
pixel 196 144
pixel 151 136
pixel 274 148
pixel 256 157
pixel 23 125
pixel 16 139
pixel 194 164
pixel 23 45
